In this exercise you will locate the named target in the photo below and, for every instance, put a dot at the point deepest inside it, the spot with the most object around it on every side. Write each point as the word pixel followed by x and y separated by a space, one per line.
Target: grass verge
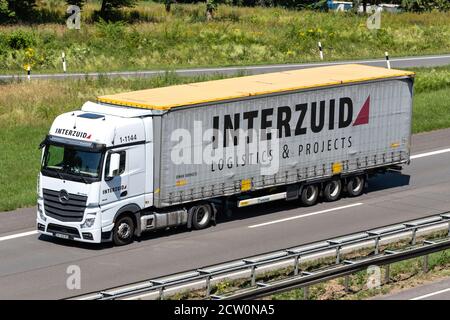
pixel 237 36
pixel 403 275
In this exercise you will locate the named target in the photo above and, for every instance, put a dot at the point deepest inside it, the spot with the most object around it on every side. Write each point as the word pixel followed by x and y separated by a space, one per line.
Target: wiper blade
pixel 83 178
pixel 59 174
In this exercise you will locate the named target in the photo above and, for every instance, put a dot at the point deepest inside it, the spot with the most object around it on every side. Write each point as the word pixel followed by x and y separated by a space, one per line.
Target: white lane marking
pixel 18 235
pixel 305 215
pixel 430 294
pixel 431 153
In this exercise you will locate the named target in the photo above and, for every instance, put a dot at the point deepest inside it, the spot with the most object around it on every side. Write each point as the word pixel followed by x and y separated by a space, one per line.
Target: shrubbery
pixel 425 5
pixel 20 39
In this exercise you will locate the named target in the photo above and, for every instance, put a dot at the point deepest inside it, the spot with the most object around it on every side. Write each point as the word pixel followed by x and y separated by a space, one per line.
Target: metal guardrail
pixel 346 268
pixel 299 278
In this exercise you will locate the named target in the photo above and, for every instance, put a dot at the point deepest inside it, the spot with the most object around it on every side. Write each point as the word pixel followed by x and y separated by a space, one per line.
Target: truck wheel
pixel 355 186
pixel 201 216
pixel 123 231
pixel 309 196
pixel 332 190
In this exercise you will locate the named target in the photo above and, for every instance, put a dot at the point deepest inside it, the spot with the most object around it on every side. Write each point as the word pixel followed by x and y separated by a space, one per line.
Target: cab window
pixel 122 162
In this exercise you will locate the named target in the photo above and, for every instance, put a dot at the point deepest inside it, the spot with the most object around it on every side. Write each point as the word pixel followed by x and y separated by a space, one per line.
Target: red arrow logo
pixel 363 116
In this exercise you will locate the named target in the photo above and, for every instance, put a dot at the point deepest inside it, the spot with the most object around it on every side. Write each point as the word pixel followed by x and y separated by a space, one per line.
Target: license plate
pixel 62 236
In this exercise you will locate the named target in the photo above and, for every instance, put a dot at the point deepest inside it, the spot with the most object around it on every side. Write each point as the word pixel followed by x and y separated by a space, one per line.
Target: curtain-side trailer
pixel 180 155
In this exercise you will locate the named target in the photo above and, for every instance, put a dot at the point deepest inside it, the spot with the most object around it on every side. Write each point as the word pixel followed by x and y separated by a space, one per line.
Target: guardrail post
pixel 377 237
pixel 161 293
pixel 387 273
pixel 425 263
pixel 338 254
pixel 413 240
pixel 208 286
pixel 207 281
pixel 253 270
pixel 253 275
pixel 296 260
pixel 305 293
pixel 347 283
pixel 377 245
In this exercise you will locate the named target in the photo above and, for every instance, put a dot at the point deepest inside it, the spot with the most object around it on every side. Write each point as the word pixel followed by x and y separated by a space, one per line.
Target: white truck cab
pixel 96 163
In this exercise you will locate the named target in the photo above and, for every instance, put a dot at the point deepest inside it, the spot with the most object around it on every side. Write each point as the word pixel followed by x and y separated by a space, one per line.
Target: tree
pixel 211 7
pixel 425 5
pixel 12 10
pixel 168 5
pixel 6 14
pixel 109 6
pixel 79 3
pixel 23 9
pixel 356 4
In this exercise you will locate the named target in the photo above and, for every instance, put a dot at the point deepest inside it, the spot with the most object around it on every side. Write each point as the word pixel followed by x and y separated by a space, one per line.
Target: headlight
pixel 89 222
pixel 41 213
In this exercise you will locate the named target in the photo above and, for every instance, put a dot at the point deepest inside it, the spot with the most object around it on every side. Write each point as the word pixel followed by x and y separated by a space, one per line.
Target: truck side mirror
pixel 114 164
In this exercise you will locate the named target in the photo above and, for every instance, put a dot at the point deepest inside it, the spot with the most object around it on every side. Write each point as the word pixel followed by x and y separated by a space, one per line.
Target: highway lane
pixel 33 268
pixel 438 290
pixel 399 62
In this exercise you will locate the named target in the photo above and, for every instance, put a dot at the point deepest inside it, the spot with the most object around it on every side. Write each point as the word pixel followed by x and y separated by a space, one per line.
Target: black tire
pixel 332 190
pixel 123 231
pixel 355 186
pixel 201 216
pixel 310 194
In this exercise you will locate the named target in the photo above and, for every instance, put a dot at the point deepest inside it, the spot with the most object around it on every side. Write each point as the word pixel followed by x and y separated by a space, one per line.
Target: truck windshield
pixel 71 160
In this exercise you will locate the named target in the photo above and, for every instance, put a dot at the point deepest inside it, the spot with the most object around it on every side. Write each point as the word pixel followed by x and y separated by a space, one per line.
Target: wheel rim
pixel 124 230
pixel 310 193
pixel 202 215
pixel 357 184
pixel 334 189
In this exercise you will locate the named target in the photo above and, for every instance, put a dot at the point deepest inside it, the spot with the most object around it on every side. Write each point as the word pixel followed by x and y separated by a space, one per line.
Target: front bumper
pixel 69 232
pixel 72 230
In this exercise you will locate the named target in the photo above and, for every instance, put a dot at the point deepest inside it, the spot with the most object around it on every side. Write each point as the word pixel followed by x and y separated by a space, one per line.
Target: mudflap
pixel 214 214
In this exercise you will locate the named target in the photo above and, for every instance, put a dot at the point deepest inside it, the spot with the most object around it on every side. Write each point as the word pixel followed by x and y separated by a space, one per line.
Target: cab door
pixel 115 188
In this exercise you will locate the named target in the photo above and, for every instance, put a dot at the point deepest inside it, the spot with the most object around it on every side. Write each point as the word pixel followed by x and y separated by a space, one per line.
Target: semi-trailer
pixel 182 155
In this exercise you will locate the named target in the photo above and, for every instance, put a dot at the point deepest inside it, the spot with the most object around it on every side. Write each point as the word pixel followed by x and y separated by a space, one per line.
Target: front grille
pixel 54 228
pixel 71 210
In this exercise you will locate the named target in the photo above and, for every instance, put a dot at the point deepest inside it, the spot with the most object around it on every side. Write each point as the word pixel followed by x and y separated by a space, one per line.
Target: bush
pixel 110 30
pixel 4 46
pixel 20 40
pixel 425 5
pixel 6 15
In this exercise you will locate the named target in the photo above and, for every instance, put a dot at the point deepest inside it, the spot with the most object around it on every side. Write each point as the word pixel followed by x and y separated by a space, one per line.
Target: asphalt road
pixel 400 62
pixel 35 268
pixel 439 290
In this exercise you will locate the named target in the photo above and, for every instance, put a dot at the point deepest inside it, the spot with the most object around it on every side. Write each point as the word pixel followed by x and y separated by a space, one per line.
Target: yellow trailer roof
pixel 201 92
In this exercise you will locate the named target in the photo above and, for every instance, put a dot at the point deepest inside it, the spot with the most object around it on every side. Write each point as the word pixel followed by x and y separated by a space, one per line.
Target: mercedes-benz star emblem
pixel 63 196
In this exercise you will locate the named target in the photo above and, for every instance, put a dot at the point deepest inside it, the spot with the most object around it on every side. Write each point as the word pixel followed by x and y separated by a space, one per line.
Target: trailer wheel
pixel 332 190
pixel 123 231
pixel 201 216
pixel 309 196
pixel 355 186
